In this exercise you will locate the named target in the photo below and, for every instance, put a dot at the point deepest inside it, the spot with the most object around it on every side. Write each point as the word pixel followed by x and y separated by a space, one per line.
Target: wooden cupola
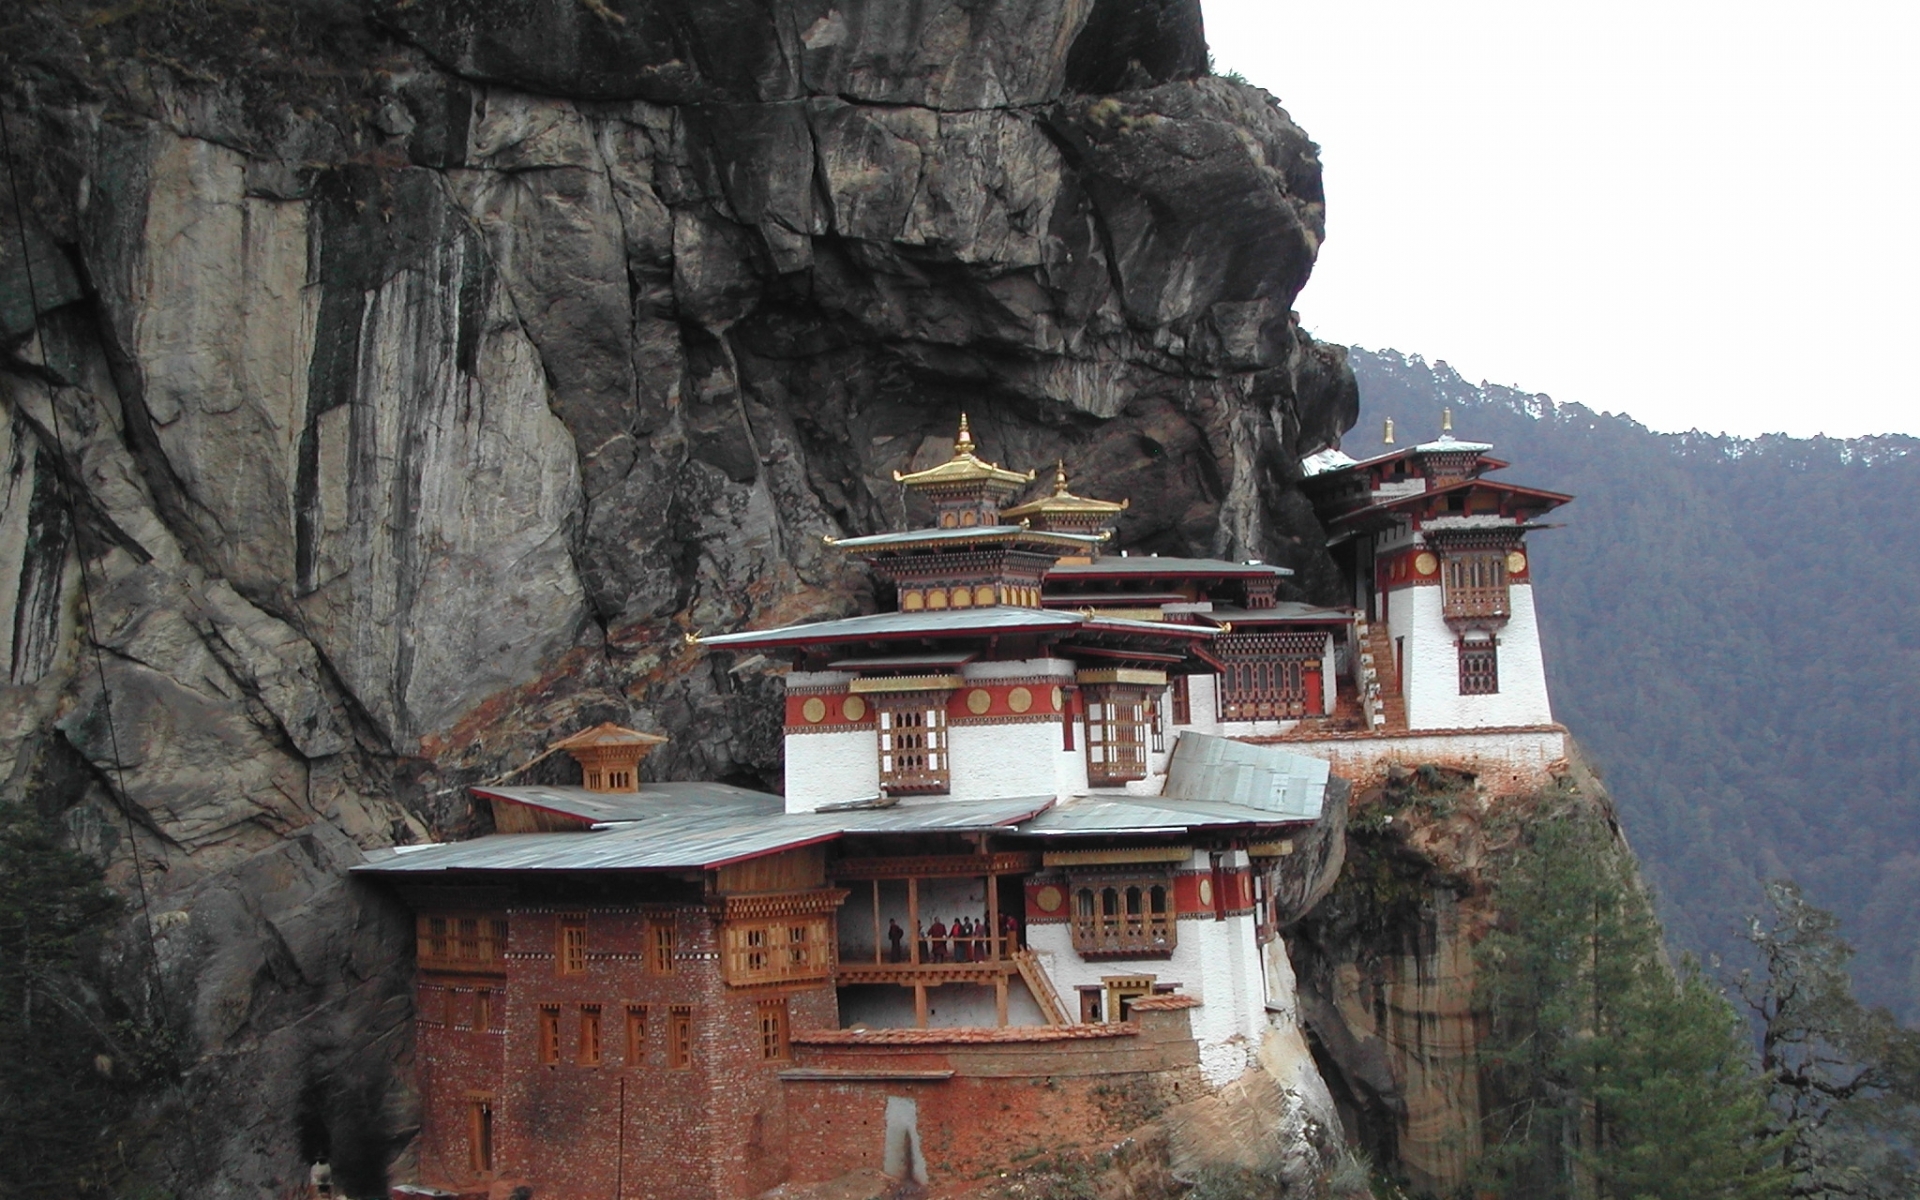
pixel 609 756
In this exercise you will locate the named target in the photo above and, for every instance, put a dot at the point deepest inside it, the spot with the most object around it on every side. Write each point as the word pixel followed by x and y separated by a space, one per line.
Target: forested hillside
pixel 1732 633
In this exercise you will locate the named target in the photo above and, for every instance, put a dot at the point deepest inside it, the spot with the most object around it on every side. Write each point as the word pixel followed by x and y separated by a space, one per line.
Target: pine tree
pixel 1605 1074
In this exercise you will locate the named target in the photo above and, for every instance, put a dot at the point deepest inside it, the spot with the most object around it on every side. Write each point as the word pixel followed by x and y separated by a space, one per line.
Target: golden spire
pixel 1059 476
pixel 1389 436
pixel 1446 420
pixel 964 443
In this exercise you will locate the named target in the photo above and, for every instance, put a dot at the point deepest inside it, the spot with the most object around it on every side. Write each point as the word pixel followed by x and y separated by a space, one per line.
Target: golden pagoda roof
pixel 607 734
pixel 963 467
pixel 1063 501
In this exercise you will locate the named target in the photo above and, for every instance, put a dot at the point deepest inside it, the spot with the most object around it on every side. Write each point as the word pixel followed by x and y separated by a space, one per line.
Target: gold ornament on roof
pixel 1063 502
pixel 964 468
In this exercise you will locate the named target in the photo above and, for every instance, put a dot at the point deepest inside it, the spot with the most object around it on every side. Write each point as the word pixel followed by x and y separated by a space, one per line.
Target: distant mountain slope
pixel 1733 631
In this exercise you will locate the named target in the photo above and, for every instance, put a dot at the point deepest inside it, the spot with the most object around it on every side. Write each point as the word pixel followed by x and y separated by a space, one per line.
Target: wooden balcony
pixel 1140 935
pixel 1476 603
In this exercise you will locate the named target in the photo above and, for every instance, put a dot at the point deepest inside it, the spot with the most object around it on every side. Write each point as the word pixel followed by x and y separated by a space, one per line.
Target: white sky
pixel 1703 213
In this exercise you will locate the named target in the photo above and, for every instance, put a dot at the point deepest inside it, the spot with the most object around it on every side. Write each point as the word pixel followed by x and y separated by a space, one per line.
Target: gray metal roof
pixel 1282 611
pixel 692 826
pixel 1110 565
pixel 631 806
pixel 1264 778
pixel 946 622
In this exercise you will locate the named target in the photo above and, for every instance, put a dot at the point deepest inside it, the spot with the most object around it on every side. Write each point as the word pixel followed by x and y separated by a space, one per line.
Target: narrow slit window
pixel 660 949
pixel 589 1055
pixel 573 945
pixel 636 1035
pixel 483 1009
pixel 773 1029
pixel 549 1034
pixel 480 1134
pixel 680 1037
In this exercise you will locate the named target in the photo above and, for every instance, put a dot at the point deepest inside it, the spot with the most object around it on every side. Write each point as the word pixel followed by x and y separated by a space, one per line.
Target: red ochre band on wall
pixel 996 702
pixel 1050 900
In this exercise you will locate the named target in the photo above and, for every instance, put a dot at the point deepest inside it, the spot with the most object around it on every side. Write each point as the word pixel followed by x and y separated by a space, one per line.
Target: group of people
pixel 965 940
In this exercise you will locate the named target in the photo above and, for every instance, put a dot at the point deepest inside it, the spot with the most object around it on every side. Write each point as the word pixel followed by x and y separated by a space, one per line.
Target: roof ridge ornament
pixel 1388 438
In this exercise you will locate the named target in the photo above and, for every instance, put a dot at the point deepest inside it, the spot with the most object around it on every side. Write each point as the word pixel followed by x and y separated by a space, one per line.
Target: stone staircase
pixel 1041 985
pixel 1384 707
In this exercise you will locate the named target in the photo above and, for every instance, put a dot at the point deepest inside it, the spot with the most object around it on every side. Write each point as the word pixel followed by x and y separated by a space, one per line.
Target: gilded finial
pixel 1059 476
pixel 1446 420
pixel 964 443
pixel 1389 436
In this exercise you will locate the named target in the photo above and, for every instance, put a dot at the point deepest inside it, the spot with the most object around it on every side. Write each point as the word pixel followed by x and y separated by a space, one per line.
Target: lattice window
pixel 1473 584
pixel 913 743
pixel 636 1035
pixel 1129 916
pixel 1119 729
pixel 460 942
pixel 660 947
pixel 589 1055
pixel 572 955
pixel 549 1033
pixel 1182 701
pixel 680 1037
pixel 773 1029
pixel 1271 676
pixel 1479 668
pixel 777 951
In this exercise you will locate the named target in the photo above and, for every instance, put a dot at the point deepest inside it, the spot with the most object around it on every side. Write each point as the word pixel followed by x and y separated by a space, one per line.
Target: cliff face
pixel 419 374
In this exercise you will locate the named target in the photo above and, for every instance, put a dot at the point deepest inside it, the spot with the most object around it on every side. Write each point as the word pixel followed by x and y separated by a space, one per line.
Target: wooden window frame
pixel 480 1134
pixel 774 1029
pixel 1474 584
pixel 1479 667
pixel 913 743
pixel 1182 701
pixel 455 941
pixel 589 1046
pixel 660 944
pixel 1270 677
pixel 1119 732
pixel 636 1035
pixel 680 1037
pixel 776 950
pixel 1115 915
pixel 549 1034
pixel 483 1009
pixel 570 947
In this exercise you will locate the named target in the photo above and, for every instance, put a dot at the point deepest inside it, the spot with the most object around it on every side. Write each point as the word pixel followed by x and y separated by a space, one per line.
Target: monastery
pixel 1044 822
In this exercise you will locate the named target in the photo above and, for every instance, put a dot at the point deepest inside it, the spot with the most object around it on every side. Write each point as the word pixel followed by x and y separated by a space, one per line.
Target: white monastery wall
pixel 831 767
pixel 1506 761
pixel 995 762
pixel 1019 668
pixel 1432 667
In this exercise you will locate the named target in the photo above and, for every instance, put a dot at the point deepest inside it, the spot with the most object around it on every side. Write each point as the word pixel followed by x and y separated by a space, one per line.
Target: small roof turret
pixel 609 756
pixel 966 490
pixel 1064 512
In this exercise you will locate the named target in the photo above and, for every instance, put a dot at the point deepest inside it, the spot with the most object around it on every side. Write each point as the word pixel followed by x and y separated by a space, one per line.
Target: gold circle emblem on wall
pixel 1057 699
pixel 1048 898
pixel 1424 563
pixel 1206 891
pixel 1019 699
pixel 853 708
pixel 1516 562
pixel 979 700
pixel 814 710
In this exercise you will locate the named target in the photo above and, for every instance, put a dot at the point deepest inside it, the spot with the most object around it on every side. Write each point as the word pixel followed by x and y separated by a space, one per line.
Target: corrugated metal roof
pixel 632 806
pixel 693 826
pixel 970 533
pixel 949 622
pixel 1265 778
pixel 1281 612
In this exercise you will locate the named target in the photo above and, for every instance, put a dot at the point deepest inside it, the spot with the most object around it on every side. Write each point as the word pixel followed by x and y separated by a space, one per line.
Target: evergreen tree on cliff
pixel 1605 1073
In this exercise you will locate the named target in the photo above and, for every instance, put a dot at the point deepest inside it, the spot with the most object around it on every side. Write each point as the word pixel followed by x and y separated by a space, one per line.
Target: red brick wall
pixel 574 1130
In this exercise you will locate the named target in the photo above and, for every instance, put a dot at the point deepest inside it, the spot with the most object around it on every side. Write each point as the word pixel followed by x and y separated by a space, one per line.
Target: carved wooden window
pixel 460 943
pixel 1182 702
pixel 680 1037
pixel 1479 668
pixel 549 1033
pixel 636 1035
pixel 1271 676
pixel 1157 724
pixel 1119 729
pixel 777 951
pixel 660 947
pixel 480 1134
pixel 1473 584
pixel 1129 916
pixel 589 1055
pixel 913 743
pixel 773 1029
pixel 572 955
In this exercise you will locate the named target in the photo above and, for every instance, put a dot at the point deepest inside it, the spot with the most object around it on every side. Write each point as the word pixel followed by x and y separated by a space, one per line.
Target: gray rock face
pixel 410 424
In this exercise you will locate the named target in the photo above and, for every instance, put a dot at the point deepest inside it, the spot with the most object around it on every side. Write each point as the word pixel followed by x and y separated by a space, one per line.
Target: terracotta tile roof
pixel 1165 1003
pixel 961 1036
